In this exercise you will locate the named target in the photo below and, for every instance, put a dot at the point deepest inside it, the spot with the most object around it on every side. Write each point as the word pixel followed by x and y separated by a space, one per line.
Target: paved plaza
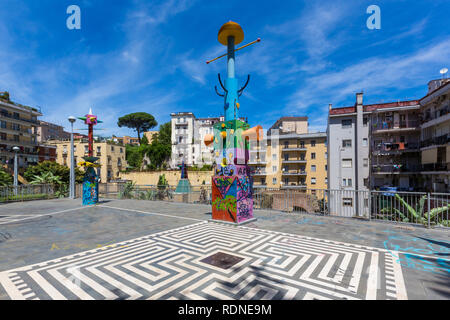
pixel 129 249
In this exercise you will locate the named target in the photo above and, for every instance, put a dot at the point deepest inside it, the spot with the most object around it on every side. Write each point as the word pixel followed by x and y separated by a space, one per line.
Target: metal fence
pixel 26 192
pixel 428 209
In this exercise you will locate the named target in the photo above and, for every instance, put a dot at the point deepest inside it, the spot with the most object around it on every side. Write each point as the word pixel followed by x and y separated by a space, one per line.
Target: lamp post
pixel 72 119
pixel 16 183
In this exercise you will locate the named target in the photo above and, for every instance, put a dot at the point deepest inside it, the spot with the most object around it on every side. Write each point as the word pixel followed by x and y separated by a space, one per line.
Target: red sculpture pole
pixel 91 140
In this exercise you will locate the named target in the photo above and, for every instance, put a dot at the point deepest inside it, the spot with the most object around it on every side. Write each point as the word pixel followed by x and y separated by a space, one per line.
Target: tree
pixel 55 168
pixel 144 140
pixel 6 179
pixel 139 121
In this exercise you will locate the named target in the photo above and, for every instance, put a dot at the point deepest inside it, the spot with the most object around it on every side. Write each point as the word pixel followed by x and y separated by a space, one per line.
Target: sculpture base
pixel 90 187
pixel 184 186
pixel 232 198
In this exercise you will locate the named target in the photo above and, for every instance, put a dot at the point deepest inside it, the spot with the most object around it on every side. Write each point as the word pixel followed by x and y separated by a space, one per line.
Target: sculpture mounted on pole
pixel 90 180
pixel 232 183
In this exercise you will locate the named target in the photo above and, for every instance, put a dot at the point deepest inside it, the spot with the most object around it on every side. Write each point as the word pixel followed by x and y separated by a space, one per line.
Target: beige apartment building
pixel 18 128
pixel 112 156
pixel 290 157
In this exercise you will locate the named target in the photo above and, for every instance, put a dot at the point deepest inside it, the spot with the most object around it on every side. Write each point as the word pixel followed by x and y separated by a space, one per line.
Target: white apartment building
pixel 188 133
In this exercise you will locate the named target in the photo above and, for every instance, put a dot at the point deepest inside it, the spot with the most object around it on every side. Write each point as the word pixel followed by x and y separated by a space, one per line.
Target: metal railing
pixel 26 192
pixel 388 125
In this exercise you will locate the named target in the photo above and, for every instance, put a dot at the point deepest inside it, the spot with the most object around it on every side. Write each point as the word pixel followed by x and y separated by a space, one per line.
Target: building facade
pixel 188 133
pixel 18 128
pixel 290 157
pixel 401 144
pixel 112 156
pixel 435 137
pixel 50 131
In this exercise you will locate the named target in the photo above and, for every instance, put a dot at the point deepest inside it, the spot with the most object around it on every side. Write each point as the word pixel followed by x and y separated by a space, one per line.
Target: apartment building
pixel 18 128
pixel 372 146
pixel 50 131
pixel 112 156
pixel 150 135
pixel 188 133
pixel 435 137
pixel 290 157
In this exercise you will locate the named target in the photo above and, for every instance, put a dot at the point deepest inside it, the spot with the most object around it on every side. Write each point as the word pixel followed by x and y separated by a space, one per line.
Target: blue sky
pixel 150 56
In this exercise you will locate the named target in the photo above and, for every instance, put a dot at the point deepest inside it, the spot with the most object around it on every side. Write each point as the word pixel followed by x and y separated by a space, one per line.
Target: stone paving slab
pixel 57 228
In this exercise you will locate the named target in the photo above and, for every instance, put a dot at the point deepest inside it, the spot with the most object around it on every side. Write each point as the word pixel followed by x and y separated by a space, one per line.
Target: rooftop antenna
pixel 444 71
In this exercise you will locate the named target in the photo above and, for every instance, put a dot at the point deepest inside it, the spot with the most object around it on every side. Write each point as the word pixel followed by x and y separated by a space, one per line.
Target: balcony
pixel 293 148
pixel 437 141
pixel 294 186
pixel 435 167
pixel 391 126
pixel 395 168
pixel 294 160
pixel 439 116
pixel 390 148
pixel 294 173
pixel 9 116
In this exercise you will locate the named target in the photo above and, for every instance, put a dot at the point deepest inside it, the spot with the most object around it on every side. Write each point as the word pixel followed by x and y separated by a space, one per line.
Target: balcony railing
pixel 7 115
pixel 294 160
pixel 435 167
pixel 294 173
pixel 391 125
pixel 395 168
pixel 396 146
pixel 437 114
pixel 437 141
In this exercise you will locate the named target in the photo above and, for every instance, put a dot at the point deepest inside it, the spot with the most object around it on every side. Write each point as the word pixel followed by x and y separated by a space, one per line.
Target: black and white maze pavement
pixel 167 265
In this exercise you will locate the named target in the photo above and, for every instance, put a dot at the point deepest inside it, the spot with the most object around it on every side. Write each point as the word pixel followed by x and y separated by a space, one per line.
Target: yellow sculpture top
pixel 231 29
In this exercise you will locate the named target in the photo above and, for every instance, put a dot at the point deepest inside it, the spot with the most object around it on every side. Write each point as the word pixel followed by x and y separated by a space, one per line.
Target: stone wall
pixel 196 178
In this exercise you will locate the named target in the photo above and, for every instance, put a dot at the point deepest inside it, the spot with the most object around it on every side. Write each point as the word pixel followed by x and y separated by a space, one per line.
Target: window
pixel 326 180
pixel 302 144
pixel 313 155
pixel 326 155
pixel 313 180
pixel 365 162
pixel 364 142
pixel 274 156
pixel 274 169
pixel 365 120
pixel 112 148
pixel 3 124
pixel 349 182
pixel 346 163
pixel 86 149
pixel 346 123
pixel 121 150
pixel 99 149
pixel 313 143
pixel 347 202
pixel 286 157
pixel 16 138
pixel 346 143
pixel 326 167
pixel 274 181
pixel 313 168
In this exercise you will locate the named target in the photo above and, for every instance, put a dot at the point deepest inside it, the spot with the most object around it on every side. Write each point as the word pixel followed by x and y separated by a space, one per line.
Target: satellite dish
pixel 443 71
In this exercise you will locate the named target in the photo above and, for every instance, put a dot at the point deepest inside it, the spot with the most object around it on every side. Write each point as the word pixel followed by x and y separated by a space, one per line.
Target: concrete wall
pixel 151 178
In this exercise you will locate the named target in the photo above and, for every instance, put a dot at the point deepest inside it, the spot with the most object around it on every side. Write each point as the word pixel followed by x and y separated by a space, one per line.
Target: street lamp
pixel 16 183
pixel 72 119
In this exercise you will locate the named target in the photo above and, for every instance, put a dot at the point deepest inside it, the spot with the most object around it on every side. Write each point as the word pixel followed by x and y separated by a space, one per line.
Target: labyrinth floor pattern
pixel 168 265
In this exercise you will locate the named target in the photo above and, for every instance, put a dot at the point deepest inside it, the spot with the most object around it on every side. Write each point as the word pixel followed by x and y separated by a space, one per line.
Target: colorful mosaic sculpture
pixel 90 180
pixel 232 182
